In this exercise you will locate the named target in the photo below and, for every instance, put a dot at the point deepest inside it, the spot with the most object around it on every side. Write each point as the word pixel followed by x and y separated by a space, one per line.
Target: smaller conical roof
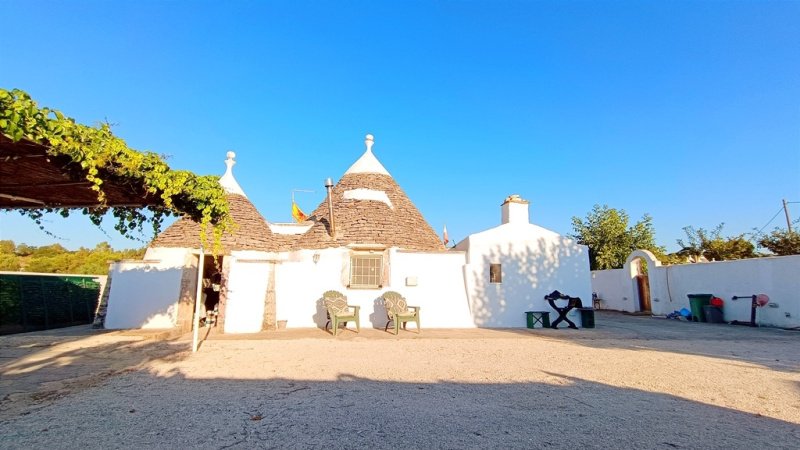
pixel 251 230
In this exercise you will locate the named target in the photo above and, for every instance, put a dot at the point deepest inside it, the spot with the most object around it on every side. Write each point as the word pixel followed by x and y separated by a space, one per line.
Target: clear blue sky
pixel 688 111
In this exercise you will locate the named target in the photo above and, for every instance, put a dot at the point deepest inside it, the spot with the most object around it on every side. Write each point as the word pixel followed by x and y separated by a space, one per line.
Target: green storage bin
pixel 696 304
pixel 541 317
pixel 587 317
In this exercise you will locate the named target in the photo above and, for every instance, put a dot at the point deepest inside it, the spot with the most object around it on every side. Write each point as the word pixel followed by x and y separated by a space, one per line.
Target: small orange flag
pixel 299 216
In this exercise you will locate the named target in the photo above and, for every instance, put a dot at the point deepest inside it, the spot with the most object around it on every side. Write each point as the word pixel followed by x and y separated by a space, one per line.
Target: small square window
pixel 495 273
pixel 366 271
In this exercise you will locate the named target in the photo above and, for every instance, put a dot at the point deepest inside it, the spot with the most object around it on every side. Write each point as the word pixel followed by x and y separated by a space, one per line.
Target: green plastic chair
pixel 398 311
pixel 339 312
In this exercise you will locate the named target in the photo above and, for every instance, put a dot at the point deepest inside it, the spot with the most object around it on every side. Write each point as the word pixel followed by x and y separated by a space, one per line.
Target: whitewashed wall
pixel 439 290
pixel 144 294
pixel 612 287
pixel 168 256
pixel 248 278
pixel 669 286
pixel 535 261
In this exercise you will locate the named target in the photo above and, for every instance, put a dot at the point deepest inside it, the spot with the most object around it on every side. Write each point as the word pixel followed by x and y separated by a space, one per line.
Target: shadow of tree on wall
pixel 528 275
pixel 356 412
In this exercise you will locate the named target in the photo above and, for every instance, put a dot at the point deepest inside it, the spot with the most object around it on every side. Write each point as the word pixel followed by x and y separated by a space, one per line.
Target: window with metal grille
pixel 495 273
pixel 366 271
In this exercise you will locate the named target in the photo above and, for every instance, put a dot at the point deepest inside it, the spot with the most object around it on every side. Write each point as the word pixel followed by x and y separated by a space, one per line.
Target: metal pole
pixel 329 187
pixel 197 303
pixel 788 220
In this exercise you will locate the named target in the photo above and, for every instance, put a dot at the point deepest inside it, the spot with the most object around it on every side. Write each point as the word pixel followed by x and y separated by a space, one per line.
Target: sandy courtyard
pixel 632 382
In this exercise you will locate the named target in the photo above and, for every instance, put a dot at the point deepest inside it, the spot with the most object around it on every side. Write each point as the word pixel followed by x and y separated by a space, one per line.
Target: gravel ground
pixel 631 382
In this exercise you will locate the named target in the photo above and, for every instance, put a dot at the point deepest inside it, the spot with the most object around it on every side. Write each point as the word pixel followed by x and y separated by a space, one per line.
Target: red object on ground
pixel 716 301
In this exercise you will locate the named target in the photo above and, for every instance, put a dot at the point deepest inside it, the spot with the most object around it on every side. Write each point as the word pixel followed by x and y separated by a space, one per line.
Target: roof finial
pixel 230 161
pixel 227 181
pixel 369 141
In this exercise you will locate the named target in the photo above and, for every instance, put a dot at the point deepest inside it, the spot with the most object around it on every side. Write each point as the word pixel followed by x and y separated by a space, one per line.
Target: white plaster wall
pixel 248 277
pixel 776 276
pixel 299 284
pixel 143 294
pixel 535 261
pixel 439 291
pixel 170 257
pixel 670 285
pixel 613 288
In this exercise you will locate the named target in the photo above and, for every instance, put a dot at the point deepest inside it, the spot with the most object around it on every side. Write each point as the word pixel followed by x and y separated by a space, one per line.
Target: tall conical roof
pixel 251 231
pixel 369 207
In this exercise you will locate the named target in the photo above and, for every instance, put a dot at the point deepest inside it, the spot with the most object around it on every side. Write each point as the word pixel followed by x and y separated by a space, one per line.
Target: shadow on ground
pixel 151 411
pixel 768 347
pixel 39 367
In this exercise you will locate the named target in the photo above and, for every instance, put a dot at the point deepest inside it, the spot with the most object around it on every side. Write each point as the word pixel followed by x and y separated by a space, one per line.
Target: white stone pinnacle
pixel 227 181
pixel 368 163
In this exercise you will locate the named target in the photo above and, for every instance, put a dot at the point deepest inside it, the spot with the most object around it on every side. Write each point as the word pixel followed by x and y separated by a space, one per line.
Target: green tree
pixel 24 250
pixel 49 250
pixel 7 247
pixel 609 238
pixel 781 242
pixel 713 246
pixel 9 262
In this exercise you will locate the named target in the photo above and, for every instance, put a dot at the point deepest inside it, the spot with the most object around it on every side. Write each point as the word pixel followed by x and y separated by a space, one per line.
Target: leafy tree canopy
pixel 713 246
pixel 56 259
pixel 609 238
pixel 781 242
pixel 99 152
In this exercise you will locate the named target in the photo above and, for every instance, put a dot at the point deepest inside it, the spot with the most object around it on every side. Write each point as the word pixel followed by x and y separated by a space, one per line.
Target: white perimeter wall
pixel 439 290
pixel 669 286
pixel 535 262
pixel 144 294
pixel 614 289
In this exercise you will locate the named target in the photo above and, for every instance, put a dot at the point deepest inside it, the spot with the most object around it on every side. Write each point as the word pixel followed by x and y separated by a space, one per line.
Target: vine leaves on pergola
pixel 99 157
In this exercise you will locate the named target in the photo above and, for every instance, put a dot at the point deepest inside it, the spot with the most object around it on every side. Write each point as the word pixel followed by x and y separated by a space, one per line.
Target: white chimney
pixel 515 210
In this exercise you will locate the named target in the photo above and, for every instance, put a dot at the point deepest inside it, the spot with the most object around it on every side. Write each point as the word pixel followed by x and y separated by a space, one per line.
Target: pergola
pixel 32 178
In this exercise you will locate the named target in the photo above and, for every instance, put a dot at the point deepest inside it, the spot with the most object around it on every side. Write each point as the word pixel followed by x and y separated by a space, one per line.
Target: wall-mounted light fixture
pixel 315 257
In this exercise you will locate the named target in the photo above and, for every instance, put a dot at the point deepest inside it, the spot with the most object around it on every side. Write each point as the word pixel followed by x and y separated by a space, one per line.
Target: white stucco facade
pixel 432 281
pixel 144 294
pixel 534 262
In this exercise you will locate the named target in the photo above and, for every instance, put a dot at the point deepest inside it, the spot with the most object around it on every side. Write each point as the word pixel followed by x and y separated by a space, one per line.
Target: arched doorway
pixel 642 285
pixel 638 265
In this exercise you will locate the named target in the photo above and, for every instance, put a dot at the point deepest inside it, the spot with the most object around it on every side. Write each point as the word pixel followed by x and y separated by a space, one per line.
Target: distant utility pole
pixel 788 220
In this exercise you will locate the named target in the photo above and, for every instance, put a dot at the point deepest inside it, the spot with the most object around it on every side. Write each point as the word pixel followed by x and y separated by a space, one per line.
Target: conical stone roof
pixel 251 232
pixel 370 208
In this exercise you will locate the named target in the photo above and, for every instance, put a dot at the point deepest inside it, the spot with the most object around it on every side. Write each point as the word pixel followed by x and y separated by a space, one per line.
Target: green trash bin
pixel 587 317
pixel 540 317
pixel 696 303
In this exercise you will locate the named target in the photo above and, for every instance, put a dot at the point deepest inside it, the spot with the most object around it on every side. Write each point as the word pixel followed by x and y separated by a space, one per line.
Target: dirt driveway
pixel 633 382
